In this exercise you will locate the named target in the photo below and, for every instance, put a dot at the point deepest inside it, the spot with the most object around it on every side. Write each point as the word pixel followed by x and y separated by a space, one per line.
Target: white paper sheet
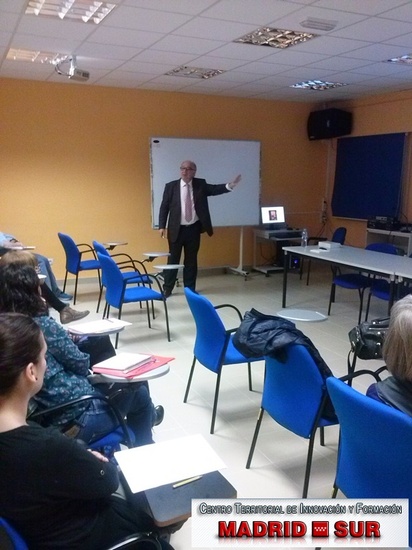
pixel 167 462
pixel 101 326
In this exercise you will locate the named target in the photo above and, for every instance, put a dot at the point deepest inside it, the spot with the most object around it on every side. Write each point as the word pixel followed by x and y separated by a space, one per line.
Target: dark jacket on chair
pixel 260 334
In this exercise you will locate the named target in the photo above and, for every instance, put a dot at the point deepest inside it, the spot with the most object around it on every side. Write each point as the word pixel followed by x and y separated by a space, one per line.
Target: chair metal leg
pixel 148 315
pixel 255 436
pixel 192 368
pixel 367 306
pixel 65 281
pixel 117 335
pixel 212 425
pixel 249 375
pixel 308 465
pixel 361 294
pixel 308 274
pixel 322 436
pixel 332 296
pixel 99 300
pixel 334 490
pixel 75 289
pixel 167 320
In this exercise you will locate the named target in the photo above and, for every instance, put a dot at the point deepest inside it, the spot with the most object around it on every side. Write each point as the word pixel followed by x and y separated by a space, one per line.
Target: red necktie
pixel 188 205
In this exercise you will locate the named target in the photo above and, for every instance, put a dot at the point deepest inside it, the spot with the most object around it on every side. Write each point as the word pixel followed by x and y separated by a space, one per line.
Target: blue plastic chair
pixel 106 444
pixel 10 538
pixel 374 456
pixel 381 288
pixel 74 262
pixel 358 281
pixel 136 272
pixel 213 346
pixel 118 292
pixel 339 236
pixel 294 395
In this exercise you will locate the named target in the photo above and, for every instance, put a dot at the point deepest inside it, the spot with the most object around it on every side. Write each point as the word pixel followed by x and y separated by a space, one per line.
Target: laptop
pixel 273 217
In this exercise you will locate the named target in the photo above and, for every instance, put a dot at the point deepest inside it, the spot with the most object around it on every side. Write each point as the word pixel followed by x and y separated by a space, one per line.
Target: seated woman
pixel 54 491
pixel 396 390
pixel 68 367
pixel 24 257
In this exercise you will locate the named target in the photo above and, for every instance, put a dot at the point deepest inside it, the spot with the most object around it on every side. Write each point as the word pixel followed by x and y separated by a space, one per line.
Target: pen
pixel 186 481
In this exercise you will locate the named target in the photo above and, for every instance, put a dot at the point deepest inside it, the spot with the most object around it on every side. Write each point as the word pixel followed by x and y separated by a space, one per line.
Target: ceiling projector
pixel 73 73
pixel 78 74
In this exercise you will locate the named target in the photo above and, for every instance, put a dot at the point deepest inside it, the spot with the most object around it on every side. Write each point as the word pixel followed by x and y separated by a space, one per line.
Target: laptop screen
pixel 272 215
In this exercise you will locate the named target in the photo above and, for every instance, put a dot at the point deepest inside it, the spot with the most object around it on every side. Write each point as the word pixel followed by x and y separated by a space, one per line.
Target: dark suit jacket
pixel 170 209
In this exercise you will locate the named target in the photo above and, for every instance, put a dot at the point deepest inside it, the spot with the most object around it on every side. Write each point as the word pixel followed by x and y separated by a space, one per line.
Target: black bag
pixel 367 338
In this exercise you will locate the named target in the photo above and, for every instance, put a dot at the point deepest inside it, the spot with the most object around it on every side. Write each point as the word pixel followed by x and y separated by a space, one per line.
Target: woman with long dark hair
pixel 68 368
pixel 54 491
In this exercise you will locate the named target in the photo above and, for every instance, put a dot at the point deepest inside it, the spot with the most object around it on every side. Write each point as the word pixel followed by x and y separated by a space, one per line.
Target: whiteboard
pixel 218 161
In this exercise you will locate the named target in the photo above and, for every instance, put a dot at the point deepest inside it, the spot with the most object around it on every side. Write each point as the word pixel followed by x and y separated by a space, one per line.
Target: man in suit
pixel 185 213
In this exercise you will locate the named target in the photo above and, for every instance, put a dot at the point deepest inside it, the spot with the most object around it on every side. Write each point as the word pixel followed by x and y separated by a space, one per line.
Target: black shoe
pixel 166 292
pixel 159 415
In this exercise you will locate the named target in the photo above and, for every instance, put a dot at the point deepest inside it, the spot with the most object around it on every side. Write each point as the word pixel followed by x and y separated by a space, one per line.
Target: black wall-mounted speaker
pixel 329 123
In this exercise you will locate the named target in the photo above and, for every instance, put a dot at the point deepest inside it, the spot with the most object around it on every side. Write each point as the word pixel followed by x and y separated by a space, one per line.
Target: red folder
pixel 155 363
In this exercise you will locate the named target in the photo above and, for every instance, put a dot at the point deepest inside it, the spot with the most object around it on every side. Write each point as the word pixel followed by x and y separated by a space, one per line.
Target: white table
pixel 150 256
pixel 305 315
pixel 112 244
pixel 358 258
pixel 161 267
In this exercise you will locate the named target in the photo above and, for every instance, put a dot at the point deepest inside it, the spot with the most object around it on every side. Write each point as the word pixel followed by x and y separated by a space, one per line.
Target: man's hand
pixel 233 183
pixel 163 233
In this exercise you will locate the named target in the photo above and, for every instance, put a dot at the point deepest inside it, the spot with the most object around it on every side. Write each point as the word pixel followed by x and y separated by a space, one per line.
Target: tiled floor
pixel 278 465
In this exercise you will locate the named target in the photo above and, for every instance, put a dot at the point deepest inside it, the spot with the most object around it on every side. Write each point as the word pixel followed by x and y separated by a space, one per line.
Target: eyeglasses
pixel 183 168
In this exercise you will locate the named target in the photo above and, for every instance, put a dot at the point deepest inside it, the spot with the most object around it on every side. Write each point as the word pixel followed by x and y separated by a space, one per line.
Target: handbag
pixel 367 338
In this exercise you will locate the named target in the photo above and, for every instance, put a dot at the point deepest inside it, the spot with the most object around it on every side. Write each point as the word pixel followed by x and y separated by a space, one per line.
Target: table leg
pixel 285 277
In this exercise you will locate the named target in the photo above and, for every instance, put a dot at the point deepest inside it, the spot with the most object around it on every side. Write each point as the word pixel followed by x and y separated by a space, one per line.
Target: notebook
pixel 123 362
pixel 101 326
pixel 154 363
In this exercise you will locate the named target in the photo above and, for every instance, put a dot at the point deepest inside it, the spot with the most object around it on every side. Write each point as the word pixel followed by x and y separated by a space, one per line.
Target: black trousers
pixel 187 240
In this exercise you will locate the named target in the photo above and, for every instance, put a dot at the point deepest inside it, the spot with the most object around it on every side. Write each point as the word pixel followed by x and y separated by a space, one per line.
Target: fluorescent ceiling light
pixel 405 59
pixel 276 38
pixel 317 85
pixel 194 72
pixel 88 11
pixel 35 56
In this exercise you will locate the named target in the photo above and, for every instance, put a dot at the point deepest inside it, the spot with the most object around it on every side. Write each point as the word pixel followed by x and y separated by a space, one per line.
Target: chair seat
pixel 140 293
pixel 89 264
pixel 352 281
pixel 233 356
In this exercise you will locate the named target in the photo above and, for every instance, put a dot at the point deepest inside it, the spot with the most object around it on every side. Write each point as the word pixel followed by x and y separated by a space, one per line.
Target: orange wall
pixel 75 159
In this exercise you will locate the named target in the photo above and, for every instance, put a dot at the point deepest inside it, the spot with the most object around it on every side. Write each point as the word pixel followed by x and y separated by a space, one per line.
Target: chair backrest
pixel 293 390
pixel 99 247
pixel 72 253
pixel 112 280
pixel 386 248
pixel 10 538
pixel 339 235
pixel 375 459
pixel 211 338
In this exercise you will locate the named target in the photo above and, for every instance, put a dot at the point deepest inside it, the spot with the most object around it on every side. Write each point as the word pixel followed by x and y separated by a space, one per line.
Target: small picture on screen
pixel 273 214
